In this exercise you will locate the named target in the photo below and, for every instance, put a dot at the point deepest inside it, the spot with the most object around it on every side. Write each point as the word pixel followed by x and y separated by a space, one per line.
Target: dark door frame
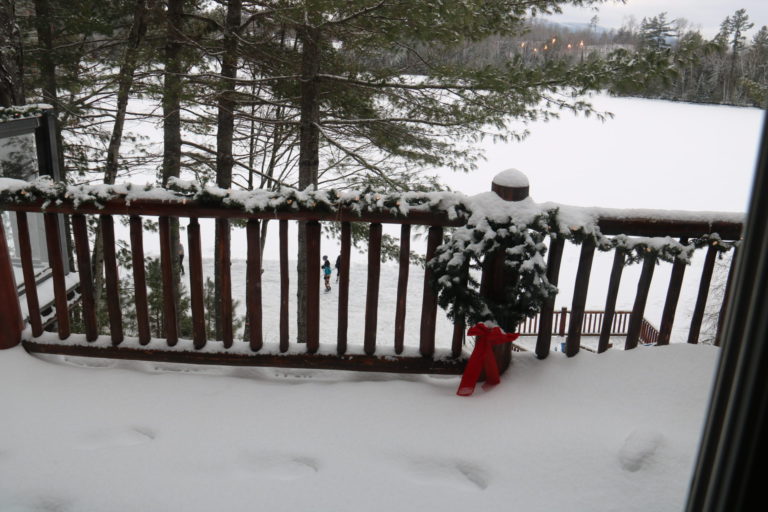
pixel 732 456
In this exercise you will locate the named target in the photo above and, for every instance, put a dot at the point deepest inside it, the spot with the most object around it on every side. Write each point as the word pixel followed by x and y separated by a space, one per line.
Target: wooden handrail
pixel 151 207
pixel 678 224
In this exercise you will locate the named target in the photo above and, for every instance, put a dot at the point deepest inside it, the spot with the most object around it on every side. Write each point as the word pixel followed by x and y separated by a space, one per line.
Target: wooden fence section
pixel 591 325
pixel 375 354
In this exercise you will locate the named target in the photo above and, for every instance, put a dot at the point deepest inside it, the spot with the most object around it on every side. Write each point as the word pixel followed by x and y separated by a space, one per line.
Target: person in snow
pixel 327 273
pixel 338 267
pixel 180 253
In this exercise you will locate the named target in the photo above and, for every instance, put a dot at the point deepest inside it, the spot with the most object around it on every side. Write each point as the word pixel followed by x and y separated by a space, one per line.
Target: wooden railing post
pixel 575 327
pixel 10 309
pixel 563 320
pixel 510 185
pixel 638 310
pixel 673 295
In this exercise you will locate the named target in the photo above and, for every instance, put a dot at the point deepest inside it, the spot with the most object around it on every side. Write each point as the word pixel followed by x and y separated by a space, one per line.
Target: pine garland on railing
pixel 519 229
pixel 252 201
pixel 22 111
pixel 524 250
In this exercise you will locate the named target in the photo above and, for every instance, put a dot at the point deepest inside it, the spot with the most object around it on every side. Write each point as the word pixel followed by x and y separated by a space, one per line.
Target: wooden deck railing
pixel 591 325
pixel 372 356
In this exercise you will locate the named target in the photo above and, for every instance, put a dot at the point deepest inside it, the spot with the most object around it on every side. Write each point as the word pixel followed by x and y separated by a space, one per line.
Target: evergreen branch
pixel 354 15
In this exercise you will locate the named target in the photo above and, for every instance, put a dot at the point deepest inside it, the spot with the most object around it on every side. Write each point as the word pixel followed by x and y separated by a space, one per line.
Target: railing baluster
pixel 80 233
pixel 111 280
pixel 402 286
pixel 573 341
pixel 139 279
pixel 563 320
pixel 196 283
pixel 169 286
pixel 225 280
pixel 673 295
pixel 10 313
pixel 544 340
pixel 429 299
pixel 638 310
pixel 313 286
pixel 30 283
pixel 253 294
pixel 284 282
pixel 726 296
pixel 610 301
pixel 701 298
pixel 459 325
pixel 343 277
pixel 53 243
pixel 372 290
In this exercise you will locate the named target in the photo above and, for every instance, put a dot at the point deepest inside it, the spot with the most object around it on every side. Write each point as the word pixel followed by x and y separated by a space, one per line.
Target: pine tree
pixel 11 57
pixel 657 32
pixel 732 32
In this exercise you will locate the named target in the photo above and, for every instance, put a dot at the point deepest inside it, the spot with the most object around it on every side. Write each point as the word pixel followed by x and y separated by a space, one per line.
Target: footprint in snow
pixel 116 438
pixel 639 448
pixel 280 466
pixel 38 503
pixel 450 472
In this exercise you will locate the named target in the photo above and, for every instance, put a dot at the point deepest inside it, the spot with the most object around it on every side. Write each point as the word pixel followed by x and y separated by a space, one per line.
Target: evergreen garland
pixel 23 111
pixel 523 247
pixel 458 292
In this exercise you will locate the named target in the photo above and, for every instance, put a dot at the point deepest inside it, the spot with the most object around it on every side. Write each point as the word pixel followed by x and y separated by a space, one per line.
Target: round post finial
pixel 511 185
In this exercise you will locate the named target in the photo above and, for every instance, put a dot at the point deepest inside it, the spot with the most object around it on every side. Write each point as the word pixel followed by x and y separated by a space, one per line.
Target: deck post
pixel 10 309
pixel 510 185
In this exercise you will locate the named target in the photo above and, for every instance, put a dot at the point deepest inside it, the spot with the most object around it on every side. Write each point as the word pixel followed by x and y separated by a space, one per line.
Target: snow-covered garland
pixel 520 231
pixel 22 111
pixel 524 249
pixel 251 201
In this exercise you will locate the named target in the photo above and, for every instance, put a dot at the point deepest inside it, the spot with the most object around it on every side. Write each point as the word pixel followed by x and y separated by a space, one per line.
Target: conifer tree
pixel 656 32
pixel 11 57
pixel 732 31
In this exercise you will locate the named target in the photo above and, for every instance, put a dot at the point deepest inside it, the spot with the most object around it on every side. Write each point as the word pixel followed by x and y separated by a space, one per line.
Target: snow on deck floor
pixel 592 433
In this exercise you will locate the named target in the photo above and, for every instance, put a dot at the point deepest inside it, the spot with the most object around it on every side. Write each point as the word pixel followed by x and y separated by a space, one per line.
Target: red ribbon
pixel 482 357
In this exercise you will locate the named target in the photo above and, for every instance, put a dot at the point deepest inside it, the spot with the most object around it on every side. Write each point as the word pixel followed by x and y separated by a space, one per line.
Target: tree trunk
pixel 125 82
pixel 309 157
pixel 44 21
pixel 172 115
pixel 11 57
pixel 172 92
pixel 224 159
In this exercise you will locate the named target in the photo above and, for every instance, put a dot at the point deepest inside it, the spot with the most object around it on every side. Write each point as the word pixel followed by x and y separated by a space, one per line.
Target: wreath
pixel 523 249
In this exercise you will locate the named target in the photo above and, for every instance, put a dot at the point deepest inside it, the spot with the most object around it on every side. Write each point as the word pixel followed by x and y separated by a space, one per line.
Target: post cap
pixel 511 185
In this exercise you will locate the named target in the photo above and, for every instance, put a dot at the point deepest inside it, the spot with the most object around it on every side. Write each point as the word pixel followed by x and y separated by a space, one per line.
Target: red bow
pixel 482 357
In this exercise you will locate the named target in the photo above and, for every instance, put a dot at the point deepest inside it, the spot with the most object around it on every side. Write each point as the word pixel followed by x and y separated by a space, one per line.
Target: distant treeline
pixel 727 69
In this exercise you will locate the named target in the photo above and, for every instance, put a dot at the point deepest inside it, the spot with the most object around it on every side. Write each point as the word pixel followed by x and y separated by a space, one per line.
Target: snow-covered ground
pixel 615 432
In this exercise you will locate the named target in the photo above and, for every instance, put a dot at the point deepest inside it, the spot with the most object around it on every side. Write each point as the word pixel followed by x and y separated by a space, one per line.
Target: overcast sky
pixel 704 14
